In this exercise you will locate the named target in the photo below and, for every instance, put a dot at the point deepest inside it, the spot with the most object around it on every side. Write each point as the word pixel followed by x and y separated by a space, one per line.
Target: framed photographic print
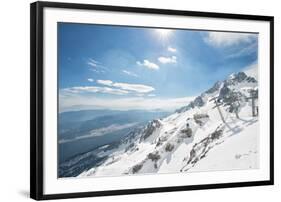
pixel 136 100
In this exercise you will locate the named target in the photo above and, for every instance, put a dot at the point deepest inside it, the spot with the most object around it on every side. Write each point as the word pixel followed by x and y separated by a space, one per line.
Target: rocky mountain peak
pixel 238 78
pixel 214 88
pixel 222 87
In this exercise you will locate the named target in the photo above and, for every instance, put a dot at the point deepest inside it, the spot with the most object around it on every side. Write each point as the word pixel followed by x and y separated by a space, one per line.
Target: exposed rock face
pixel 199 102
pixel 224 91
pixel 154 156
pixel 133 135
pixel 137 168
pixel 169 147
pixel 240 76
pixel 150 128
pixel 200 149
pixel 215 87
pixel 251 79
pixel 186 133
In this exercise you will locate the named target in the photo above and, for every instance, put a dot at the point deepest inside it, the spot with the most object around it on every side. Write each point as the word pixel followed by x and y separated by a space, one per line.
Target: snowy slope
pixel 194 138
pixel 240 151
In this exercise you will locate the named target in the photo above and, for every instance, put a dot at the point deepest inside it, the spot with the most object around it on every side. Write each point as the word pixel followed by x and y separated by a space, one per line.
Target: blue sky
pixel 125 68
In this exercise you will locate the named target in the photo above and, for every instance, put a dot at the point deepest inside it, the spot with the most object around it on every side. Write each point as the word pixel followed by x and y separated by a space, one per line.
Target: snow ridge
pixel 218 130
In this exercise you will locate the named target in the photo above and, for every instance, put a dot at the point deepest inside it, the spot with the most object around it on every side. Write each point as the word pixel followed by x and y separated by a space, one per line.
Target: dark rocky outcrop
pixel 137 168
pixel 251 79
pixel 186 133
pixel 154 156
pixel 199 102
pixel 169 147
pixel 150 128
pixel 239 77
pixel 215 88
pixel 224 91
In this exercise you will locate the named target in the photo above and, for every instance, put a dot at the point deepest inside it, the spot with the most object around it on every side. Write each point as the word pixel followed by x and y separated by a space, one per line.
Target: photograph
pixel 137 100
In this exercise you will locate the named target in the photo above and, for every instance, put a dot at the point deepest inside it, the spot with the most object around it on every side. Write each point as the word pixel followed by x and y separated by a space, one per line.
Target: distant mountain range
pixel 81 131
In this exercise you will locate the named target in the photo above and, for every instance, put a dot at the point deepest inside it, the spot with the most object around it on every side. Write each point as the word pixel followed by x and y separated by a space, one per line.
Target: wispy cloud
pixel 167 60
pixel 93 89
pixel 99 132
pixel 138 88
pixel 148 64
pixel 82 102
pixel 92 62
pixel 129 73
pixel 96 66
pixel 245 51
pixel 223 39
pixel 134 87
pixel 90 80
pixel 171 49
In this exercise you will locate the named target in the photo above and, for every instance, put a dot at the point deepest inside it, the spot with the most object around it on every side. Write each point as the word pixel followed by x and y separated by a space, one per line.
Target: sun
pixel 164 34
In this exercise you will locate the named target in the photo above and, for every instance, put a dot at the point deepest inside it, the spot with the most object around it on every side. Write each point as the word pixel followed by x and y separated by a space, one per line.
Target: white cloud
pixel 105 82
pixel 134 87
pixel 93 89
pixel 138 88
pixel 173 50
pixel 219 39
pixel 167 60
pixel 130 73
pixel 82 102
pixel 90 80
pixel 148 64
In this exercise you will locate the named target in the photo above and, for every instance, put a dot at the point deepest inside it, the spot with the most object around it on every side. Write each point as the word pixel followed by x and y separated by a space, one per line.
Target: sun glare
pixel 164 33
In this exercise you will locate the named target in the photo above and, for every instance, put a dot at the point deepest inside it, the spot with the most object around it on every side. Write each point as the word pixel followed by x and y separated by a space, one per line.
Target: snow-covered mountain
pixel 218 130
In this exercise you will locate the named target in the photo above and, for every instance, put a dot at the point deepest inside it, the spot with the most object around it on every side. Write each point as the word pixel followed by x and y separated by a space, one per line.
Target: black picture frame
pixel 36 98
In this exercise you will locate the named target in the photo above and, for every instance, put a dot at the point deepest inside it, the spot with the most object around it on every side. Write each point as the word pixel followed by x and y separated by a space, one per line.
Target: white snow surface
pixel 169 150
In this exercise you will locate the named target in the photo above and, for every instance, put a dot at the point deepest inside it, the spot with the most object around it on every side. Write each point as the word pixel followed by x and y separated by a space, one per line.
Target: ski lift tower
pixel 253 97
pixel 215 99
